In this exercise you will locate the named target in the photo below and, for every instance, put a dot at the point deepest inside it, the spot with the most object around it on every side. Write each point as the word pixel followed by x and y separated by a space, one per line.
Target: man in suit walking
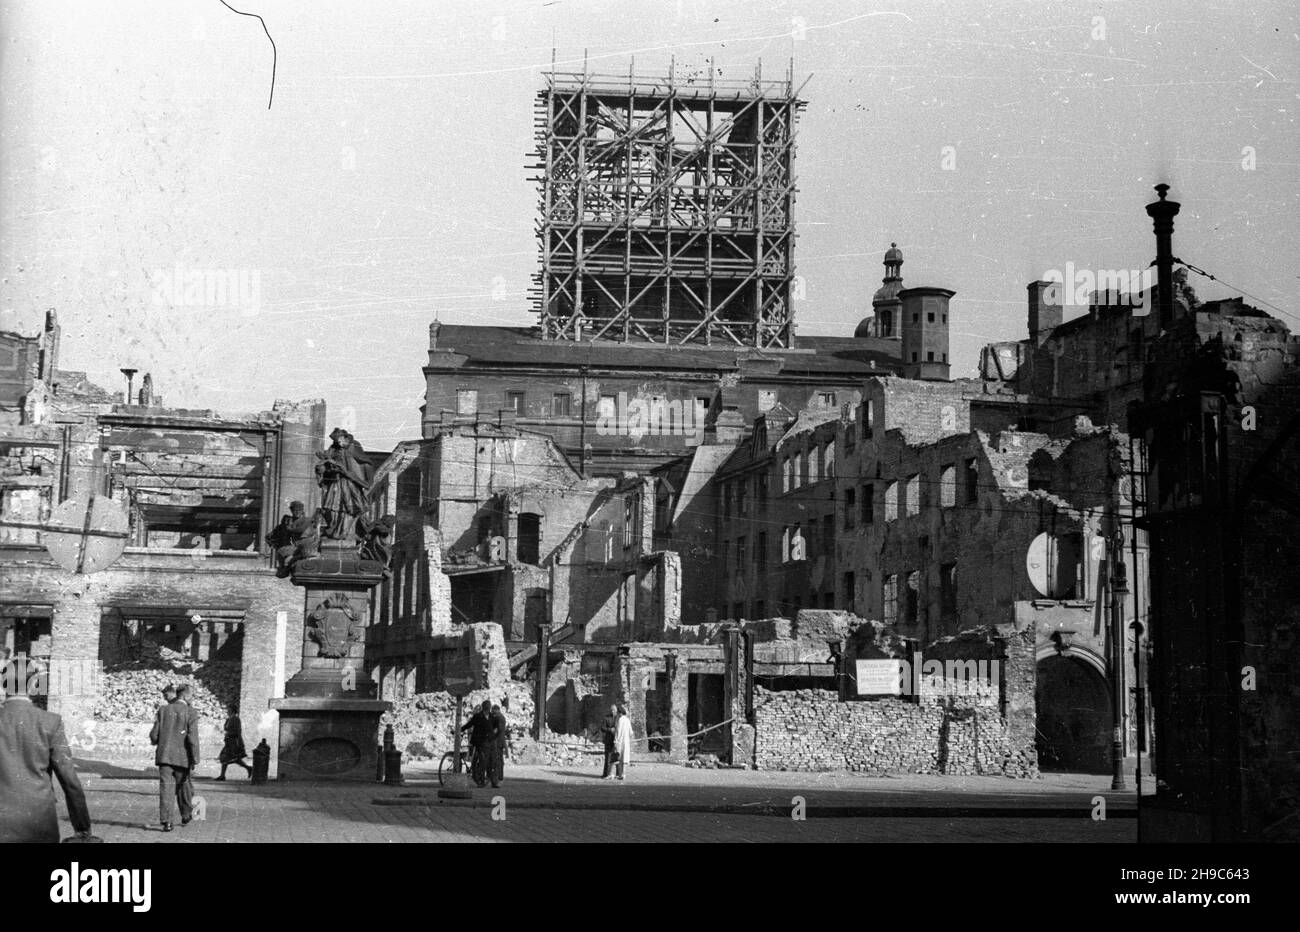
pixel 185 695
pixel 178 752
pixel 33 750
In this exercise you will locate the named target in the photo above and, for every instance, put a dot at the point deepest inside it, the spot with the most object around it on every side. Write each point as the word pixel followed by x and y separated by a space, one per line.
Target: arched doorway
pixel 1073 716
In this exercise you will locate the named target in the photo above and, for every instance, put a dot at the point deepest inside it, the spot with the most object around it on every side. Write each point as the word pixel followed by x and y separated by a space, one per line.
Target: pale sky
pixel 387 185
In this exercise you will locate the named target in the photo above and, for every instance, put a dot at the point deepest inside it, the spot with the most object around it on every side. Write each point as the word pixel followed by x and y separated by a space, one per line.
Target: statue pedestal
pixel 329 716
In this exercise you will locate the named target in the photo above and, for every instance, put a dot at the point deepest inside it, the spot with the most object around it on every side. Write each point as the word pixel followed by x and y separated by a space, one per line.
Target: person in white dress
pixel 623 739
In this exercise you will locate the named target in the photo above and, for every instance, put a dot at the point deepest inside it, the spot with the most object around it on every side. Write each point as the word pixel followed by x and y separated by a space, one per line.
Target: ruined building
pixel 133 537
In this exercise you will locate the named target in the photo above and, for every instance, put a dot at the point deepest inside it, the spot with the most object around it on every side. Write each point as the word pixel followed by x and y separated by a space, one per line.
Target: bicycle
pixel 448 763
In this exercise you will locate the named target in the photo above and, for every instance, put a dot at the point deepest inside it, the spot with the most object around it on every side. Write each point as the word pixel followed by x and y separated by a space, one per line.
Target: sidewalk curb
pixel 767 809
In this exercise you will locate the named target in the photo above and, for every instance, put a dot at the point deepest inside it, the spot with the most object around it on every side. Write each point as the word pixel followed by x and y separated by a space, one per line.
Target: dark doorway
pixel 528 549
pixel 1074 726
pixel 705 706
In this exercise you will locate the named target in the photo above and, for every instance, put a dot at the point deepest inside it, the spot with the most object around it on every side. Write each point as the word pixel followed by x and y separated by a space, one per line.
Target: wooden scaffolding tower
pixel 666 208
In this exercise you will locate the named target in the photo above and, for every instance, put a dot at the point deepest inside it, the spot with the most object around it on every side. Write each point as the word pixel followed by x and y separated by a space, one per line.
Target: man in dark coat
pixel 33 749
pixel 607 733
pixel 176 734
pixel 500 735
pixel 481 738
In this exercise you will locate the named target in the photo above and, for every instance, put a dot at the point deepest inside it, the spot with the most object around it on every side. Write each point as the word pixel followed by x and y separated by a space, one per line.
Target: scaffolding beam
pixel 666 208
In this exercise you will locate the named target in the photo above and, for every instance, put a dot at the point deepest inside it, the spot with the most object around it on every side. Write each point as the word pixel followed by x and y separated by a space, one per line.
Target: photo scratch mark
pixel 274 53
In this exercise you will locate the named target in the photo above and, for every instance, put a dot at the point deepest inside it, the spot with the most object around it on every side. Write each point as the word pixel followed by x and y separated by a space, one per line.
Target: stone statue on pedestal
pixel 344 478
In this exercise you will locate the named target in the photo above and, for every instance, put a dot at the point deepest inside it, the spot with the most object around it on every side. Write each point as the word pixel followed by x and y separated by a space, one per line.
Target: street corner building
pixel 133 550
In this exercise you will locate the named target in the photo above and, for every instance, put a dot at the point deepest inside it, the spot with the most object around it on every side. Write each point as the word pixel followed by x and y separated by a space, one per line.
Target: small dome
pixel 893 253
pixel 866 329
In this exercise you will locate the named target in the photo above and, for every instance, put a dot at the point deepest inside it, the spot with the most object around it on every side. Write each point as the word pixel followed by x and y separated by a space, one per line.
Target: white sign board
pixel 879 677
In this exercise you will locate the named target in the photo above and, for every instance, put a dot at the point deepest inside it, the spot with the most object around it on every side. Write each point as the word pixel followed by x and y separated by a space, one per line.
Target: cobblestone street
pixel 659 803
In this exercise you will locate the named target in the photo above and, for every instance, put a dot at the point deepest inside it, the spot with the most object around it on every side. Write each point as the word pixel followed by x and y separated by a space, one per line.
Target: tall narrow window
pixel 530 538
pixel 515 402
pixel 814 465
pixel 868 503
pixel 912 504
pixel 740 554
pixel 561 404
pixel 972 475
pixel 850 507
pixel 948 486
pixel 889 599
pixel 828 460
pixel 912 598
pixel 760 551
pixel 850 591
pixel 891 501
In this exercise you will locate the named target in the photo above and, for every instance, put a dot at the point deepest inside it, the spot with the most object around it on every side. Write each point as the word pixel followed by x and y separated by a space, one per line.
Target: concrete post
pixel 543 647
pixel 731 684
pixel 679 695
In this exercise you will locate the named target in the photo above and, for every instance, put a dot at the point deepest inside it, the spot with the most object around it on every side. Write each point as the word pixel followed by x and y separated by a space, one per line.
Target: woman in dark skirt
pixel 232 752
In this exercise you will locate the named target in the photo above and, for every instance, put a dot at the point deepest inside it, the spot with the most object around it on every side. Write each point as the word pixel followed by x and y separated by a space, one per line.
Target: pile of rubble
pixel 132 692
pixel 423 728
pixel 810 729
pixel 423 725
pixel 569 750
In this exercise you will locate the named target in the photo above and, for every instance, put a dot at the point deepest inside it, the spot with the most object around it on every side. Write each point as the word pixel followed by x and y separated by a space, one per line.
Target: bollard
pixel 261 762
pixel 393 768
pixel 390 759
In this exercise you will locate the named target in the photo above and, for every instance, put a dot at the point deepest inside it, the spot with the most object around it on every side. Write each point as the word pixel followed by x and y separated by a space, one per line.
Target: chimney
pixel 1046 309
pixel 727 428
pixel 50 348
pixel 130 384
pixel 1162 213
pixel 434 329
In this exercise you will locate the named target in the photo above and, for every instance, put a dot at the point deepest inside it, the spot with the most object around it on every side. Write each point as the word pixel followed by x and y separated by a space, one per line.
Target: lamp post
pixel 1139 703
